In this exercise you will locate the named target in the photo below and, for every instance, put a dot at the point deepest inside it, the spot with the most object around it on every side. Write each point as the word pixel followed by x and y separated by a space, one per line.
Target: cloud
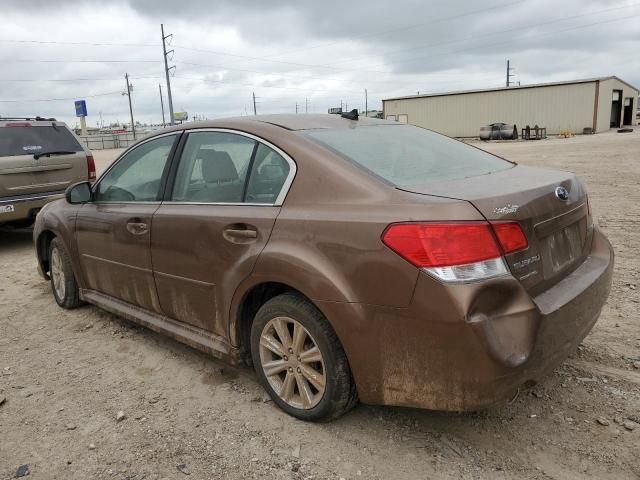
pixel 297 52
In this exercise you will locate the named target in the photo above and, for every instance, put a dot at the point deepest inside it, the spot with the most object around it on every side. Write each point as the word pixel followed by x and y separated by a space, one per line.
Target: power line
pixel 327 66
pixel 234 82
pixel 12 60
pixel 399 29
pixel 490 34
pixel 103 44
pixel 35 80
pixel 360 69
pixel 556 32
pixel 60 99
pixel 303 77
pixel 364 35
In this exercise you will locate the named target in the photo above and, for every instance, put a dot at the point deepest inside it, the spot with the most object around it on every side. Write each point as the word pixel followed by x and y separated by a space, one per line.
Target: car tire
pixel 63 281
pixel 316 368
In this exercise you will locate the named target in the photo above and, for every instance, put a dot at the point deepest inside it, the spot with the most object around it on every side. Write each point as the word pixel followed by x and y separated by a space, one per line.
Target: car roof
pixel 305 121
pixel 34 122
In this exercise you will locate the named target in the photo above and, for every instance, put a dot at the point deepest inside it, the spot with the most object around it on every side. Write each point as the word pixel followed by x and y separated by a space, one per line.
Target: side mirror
pixel 78 193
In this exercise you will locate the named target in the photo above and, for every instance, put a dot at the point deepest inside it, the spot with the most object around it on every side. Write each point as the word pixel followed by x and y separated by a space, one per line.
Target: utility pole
pixel 296 107
pixel 306 105
pixel 166 70
pixel 162 105
pixel 254 103
pixel 366 103
pixel 128 94
pixel 509 74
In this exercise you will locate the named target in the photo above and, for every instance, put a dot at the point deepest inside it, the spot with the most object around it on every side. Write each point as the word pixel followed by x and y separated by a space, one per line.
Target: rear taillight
pixel 18 124
pixel 456 251
pixel 91 167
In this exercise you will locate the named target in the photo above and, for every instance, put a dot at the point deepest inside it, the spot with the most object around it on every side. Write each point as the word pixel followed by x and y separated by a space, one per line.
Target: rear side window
pixel 268 174
pixel 27 140
pixel 213 168
pixel 222 167
pixel 405 155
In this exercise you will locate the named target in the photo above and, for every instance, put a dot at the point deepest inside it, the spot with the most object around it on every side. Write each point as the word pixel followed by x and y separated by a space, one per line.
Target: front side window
pixel 137 175
pixel 222 167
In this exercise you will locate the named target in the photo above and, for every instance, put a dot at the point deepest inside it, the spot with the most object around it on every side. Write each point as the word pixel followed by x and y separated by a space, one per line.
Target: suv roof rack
pixel 34 119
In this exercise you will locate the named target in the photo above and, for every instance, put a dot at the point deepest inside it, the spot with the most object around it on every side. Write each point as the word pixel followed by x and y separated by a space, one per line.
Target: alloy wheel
pixel 292 363
pixel 57 273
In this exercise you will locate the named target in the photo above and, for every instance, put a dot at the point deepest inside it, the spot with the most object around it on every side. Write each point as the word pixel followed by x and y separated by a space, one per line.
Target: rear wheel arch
pixel 251 301
pixel 246 311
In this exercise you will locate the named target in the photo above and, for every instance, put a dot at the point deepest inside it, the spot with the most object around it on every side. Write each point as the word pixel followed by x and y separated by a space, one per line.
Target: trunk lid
pixel 22 174
pixel 558 231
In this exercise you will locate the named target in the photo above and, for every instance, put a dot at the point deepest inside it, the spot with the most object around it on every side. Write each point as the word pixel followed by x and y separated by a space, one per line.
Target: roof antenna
pixel 352 115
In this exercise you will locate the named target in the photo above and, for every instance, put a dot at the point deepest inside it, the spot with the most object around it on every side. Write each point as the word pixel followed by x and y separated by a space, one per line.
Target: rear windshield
pixel 405 155
pixel 30 140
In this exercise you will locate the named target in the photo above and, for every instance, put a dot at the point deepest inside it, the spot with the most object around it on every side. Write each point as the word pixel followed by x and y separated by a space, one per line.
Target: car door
pixel 216 218
pixel 113 231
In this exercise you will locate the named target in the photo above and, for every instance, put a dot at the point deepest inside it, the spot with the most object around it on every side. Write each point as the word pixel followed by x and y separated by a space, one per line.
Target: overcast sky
pixel 286 52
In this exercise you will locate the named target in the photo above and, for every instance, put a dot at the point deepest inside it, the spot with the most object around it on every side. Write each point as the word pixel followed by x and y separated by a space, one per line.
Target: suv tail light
pixel 456 251
pixel 91 167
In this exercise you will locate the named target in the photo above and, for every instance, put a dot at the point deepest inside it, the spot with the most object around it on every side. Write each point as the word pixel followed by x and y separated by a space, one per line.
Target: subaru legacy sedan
pixel 345 259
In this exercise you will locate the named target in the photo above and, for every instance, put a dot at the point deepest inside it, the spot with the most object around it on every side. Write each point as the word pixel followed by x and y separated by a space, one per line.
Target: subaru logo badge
pixel 562 193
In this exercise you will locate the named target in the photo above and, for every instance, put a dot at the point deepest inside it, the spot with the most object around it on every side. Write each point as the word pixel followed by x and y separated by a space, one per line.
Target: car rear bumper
pixel 466 346
pixel 23 207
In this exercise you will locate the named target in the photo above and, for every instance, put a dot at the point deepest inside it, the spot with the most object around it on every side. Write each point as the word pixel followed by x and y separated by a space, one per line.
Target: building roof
pixel 519 87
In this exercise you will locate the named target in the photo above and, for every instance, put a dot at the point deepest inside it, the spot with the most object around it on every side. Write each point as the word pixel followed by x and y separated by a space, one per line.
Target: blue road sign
pixel 81 108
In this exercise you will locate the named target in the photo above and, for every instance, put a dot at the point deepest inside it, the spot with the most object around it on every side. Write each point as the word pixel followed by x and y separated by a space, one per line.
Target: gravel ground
pixel 66 375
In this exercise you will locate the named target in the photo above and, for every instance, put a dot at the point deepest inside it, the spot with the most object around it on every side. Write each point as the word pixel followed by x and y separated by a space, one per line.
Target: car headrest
pixel 217 166
pixel 272 172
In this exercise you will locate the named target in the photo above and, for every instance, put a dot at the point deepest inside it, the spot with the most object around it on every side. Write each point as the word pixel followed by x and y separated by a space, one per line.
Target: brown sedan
pixel 346 259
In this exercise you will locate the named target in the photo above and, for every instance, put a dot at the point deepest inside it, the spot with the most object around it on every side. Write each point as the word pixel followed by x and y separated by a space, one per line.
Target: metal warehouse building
pixel 598 103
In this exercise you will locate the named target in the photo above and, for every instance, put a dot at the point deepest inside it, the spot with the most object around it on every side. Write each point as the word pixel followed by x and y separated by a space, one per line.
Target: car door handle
pixel 137 228
pixel 233 232
pixel 240 233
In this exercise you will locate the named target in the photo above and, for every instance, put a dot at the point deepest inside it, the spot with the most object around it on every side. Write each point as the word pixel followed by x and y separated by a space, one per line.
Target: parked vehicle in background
pixel 499 131
pixel 344 258
pixel 39 159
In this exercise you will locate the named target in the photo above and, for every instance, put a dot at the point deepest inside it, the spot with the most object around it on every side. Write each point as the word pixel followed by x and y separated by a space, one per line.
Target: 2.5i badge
pixel 7 208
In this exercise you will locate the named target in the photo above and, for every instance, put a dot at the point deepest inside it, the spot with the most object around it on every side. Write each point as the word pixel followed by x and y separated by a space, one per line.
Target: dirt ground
pixel 65 375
